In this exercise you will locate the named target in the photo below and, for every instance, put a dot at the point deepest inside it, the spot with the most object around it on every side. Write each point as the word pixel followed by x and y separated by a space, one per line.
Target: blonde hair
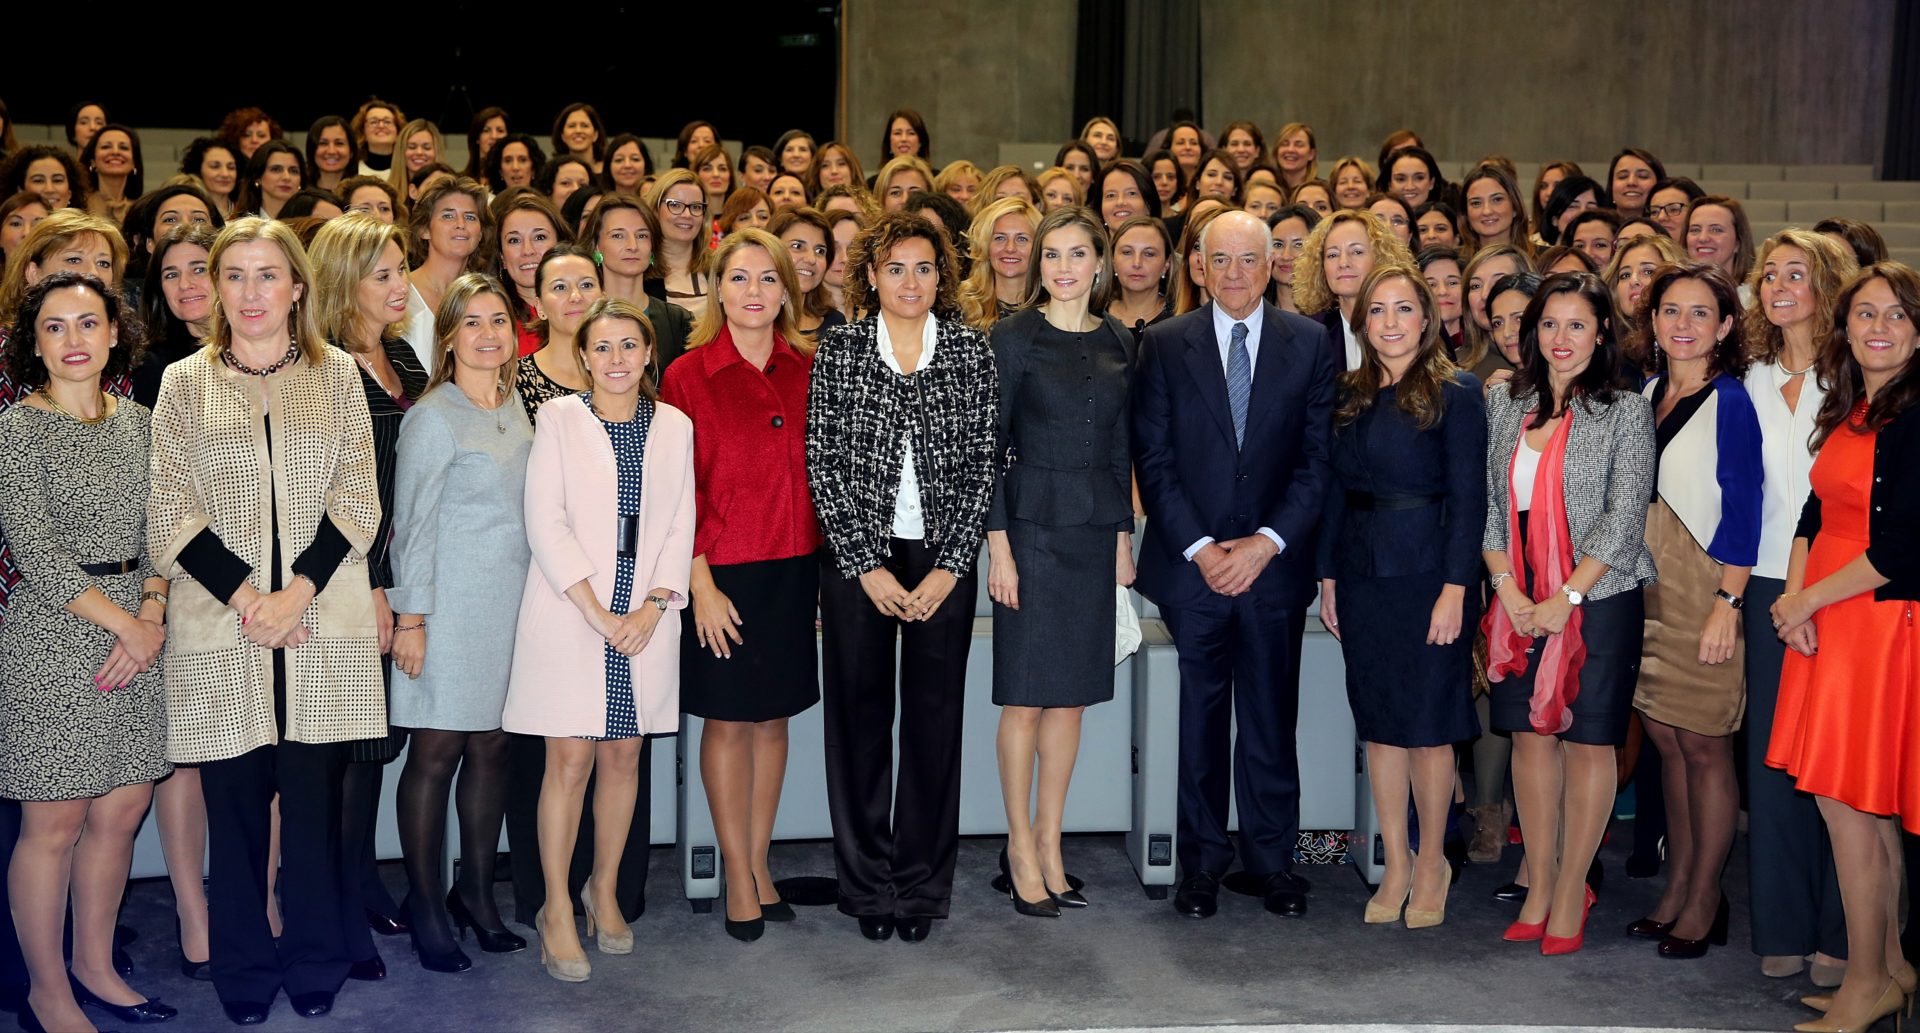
pixel 903 163
pixel 1670 252
pixel 1476 341
pixel 713 317
pixel 397 175
pixel 997 175
pixel 1073 182
pixel 979 302
pixel 345 252
pixel 60 229
pixel 1313 163
pixel 953 171
pixel 1831 265
pixel 446 325
pixel 1310 290
pixel 300 323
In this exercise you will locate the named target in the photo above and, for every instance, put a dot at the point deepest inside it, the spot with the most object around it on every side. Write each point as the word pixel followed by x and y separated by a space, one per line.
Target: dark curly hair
pixel 196 155
pixel 878 240
pixel 237 121
pixel 13 178
pixel 23 362
pixel 495 181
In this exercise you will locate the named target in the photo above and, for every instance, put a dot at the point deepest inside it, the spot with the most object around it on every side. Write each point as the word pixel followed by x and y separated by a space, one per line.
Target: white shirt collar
pixel 1223 325
pixel 928 336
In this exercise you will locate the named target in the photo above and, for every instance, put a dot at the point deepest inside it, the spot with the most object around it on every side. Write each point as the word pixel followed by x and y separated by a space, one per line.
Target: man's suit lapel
pixel 1209 377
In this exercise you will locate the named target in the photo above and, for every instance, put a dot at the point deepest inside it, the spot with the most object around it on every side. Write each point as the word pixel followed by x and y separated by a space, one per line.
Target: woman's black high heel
pixel 198 970
pixel 1071 898
pixel 1033 909
pixel 501 942
pixel 1684 950
pixel 455 960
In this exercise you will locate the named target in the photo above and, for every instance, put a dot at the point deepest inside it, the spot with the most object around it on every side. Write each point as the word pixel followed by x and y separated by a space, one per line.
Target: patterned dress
pixel 629 453
pixel 536 388
pixel 73 493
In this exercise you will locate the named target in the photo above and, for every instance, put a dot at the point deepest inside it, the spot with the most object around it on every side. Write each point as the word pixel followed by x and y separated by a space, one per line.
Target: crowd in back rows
pixel 1423 292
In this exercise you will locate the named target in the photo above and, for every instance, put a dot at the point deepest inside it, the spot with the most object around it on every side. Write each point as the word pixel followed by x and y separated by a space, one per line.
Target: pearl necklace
pixel 293 352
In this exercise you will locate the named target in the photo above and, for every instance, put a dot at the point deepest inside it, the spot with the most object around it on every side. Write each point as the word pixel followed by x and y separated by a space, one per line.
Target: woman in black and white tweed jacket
pixel 900 439
pixel 1570 472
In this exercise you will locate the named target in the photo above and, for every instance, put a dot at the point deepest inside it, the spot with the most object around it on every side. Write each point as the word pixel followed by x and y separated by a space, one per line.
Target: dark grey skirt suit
pixel 1062 492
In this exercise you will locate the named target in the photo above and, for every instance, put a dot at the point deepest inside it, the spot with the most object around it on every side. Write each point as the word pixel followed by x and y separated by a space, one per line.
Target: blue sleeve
pixel 1736 541
pixel 1464 423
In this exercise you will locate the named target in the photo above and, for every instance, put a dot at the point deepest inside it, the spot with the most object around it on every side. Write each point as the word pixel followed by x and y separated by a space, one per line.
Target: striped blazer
pixel 861 414
pixel 1607 478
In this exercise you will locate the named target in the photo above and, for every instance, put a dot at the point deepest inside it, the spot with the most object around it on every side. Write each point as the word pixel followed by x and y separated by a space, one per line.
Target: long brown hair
pixel 1420 390
pixel 1830 265
pixel 1846 387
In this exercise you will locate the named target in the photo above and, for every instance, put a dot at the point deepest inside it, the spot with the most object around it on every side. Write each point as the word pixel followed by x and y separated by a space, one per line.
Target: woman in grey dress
pixel 82 712
pixel 457 524
pixel 1058 536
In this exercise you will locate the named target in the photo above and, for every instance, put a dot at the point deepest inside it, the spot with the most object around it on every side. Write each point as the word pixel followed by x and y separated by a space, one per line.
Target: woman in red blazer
pixel 749 657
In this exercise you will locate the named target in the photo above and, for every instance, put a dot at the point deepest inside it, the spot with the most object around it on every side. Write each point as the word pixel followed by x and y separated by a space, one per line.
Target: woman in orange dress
pixel 1850 686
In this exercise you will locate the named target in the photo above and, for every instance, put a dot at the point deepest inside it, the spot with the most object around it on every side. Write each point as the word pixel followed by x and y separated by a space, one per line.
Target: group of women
pixel 272 437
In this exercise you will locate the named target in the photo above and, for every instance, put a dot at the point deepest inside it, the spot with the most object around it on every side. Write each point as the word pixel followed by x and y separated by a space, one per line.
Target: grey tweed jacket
pixel 1608 479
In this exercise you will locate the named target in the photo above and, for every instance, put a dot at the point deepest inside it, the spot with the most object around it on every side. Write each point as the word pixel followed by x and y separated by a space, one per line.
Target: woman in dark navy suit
pixel 1399 549
pixel 1059 536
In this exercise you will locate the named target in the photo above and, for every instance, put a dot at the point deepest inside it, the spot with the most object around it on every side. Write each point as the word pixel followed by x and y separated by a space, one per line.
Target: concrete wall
pixel 1722 81
pixel 981 71
pixel 1699 80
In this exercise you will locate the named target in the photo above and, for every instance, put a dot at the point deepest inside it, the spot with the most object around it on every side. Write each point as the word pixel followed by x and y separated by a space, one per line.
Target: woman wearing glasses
pixel 681 203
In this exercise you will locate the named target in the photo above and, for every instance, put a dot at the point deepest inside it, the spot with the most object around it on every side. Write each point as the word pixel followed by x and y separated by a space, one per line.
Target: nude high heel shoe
pixel 566 970
pixel 1419 918
pixel 1893 1001
pixel 608 942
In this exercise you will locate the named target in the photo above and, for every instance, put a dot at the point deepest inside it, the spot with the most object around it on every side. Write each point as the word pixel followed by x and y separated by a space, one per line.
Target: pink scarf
pixel 1550 557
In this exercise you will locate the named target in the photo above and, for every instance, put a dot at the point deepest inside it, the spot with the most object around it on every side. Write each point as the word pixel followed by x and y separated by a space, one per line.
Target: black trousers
pixel 1238 659
pixel 311 954
pixel 1790 873
pixel 894 840
pixel 526 767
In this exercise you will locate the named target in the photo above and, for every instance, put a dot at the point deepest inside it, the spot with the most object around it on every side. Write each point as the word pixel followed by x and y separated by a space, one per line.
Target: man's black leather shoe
pixel 1199 895
pixel 1286 895
pixel 913 928
pixel 876 927
pixel 245 1013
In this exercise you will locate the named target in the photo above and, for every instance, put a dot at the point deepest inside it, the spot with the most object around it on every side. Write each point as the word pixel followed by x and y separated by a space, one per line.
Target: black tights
pixel 432 758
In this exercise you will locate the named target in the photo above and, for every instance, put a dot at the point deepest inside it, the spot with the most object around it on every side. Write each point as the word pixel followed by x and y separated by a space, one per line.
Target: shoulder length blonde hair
pixel 1310 289
pixel 300 322
pixel 446 325
pixel 397 175
pixel 344 253
pixel 713 317
pixel 1831 265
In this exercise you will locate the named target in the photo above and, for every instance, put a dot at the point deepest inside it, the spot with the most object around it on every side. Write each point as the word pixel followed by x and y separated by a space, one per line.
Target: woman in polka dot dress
pixel 596 662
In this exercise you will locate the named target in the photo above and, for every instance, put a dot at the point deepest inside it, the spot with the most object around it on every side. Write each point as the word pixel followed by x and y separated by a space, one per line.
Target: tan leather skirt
pixel 1675 688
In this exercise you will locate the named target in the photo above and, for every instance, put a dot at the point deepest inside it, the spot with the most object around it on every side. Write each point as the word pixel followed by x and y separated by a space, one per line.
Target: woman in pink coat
pixel 596 662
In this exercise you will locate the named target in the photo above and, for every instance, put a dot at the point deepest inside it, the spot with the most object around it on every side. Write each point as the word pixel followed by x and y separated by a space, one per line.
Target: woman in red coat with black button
pixel 749 656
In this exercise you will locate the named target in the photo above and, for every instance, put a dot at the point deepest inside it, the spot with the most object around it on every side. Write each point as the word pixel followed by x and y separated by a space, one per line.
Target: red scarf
pixel 1550 557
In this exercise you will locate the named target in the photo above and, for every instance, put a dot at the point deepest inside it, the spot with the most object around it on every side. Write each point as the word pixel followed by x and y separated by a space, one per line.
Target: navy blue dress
pixel 1403 518
pixel 629 454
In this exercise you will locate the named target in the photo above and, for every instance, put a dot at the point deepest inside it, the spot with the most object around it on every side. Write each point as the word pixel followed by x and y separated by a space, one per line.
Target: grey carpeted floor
pixel 1124 963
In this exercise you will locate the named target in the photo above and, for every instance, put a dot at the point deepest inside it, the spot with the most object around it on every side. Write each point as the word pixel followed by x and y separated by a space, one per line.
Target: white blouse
pixel 909 522
pixel 1786 460
pixel 1526 468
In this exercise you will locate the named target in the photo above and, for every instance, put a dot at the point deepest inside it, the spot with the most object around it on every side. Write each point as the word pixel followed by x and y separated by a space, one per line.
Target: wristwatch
pixel 659 601
pixel 1732 600
pixel 1576 598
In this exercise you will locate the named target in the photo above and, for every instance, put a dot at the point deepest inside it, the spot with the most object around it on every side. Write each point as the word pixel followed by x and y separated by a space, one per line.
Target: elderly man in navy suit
pixel 1232 407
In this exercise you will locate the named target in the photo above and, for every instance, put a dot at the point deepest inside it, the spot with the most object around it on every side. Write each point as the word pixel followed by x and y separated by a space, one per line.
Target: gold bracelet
pixel 154 597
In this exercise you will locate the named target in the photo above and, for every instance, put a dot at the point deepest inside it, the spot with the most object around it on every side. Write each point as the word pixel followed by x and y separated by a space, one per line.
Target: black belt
pixel 627 535
pixel 1368 502
pixel 116 567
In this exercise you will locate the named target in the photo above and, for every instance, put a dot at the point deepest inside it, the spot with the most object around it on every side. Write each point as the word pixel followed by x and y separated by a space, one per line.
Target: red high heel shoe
pixel 1525 932
pixel 1550 945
